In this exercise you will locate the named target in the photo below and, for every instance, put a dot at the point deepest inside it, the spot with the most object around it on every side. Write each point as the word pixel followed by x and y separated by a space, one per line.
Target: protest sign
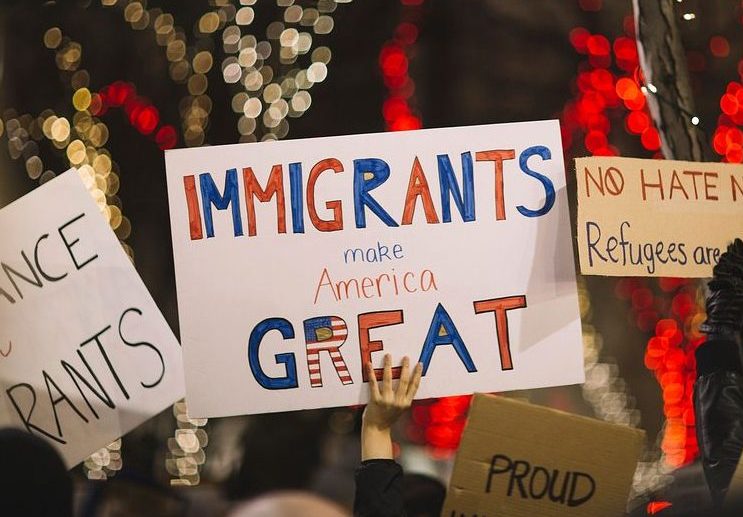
pixel 85 354
pixel 297 261
pixel 656 217
pixel 520 460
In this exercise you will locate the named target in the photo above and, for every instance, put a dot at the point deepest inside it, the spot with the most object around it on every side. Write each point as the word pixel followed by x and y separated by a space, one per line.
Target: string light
pixel 394 61
pixel 104 463
pixel 662 315
pixel 245 63
pixel 274 83
pixel 608 395
pixel 99 174
pixel 187 66
pixel 604 389
pixel 186 453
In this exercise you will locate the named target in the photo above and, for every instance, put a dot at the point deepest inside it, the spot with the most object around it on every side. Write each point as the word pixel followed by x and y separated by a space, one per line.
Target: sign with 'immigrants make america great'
pixel 298 261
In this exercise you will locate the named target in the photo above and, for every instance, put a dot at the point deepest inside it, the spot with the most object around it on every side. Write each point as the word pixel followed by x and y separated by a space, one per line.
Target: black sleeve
pixel 378 489
pixel 718 404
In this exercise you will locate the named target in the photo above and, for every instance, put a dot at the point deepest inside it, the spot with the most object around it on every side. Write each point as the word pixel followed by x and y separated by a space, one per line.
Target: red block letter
pixel 372 320
pixel 274 187
pixel 498 157
pixel 418 187
pixel 500 306
pixel 192 202
pixel 321 224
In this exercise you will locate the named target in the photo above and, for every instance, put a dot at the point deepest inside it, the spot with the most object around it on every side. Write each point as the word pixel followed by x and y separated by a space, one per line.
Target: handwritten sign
pixel 85 355
pixel 298 261
pixel 656 217
pixel 520 460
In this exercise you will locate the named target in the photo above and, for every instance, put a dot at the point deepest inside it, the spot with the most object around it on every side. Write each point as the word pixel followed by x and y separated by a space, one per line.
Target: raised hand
pixel 385 407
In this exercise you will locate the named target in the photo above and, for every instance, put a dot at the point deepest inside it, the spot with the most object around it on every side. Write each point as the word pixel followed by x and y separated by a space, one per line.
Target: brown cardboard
pixel 679 215
pixel 548 440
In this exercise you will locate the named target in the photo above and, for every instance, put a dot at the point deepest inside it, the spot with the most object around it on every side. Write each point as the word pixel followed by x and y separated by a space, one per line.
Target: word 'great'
pixel 326 334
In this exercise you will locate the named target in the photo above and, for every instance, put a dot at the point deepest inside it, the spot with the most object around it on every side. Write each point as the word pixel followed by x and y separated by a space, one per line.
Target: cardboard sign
pixel 298 261
pixel 85 355
pixel 520 460
pixel 656 217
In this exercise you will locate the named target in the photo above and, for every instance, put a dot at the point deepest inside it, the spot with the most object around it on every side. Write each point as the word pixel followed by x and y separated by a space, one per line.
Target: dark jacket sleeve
pixel 718 405
pixel 378 489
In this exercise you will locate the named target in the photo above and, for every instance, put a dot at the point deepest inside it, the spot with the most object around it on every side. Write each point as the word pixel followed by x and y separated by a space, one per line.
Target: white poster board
pixel 296 261
pixel 85 354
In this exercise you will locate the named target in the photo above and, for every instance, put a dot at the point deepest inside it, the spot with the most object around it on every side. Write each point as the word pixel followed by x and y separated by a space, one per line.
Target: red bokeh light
pixel 719 46
pixel 650 139
pixel 579 38
pixel 729 104
pixel 166 137
pixel 637 122
pixel 598 45
pixel 140 112
pixel 406 33
pixel 393 61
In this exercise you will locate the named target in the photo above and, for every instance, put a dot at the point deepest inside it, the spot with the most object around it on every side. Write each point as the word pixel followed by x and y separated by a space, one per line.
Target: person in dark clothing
pixel 718 393
pixel 718 404
pixel 34 481
pixel 423 496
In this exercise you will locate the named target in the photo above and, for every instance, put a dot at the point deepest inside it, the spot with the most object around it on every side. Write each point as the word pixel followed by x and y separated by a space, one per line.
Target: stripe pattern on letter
pixel 326 334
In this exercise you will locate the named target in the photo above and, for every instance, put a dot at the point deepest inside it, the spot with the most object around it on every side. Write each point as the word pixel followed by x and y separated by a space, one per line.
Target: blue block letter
pixel 211 196
pixel 295 183
pixel 449 186
pixel 549 187
pixel 287 332
pixel 443 332
pixel 380 171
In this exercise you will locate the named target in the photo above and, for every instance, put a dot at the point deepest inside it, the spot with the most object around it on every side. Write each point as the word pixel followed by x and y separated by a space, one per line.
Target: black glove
pixel 725 299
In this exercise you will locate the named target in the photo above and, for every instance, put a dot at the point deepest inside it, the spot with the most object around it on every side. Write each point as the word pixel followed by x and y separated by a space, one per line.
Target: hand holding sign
pixel 385 407
pixel 387 404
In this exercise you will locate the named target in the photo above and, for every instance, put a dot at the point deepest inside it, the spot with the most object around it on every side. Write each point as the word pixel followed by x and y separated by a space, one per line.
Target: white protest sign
pixel 297 261
pixel 85 354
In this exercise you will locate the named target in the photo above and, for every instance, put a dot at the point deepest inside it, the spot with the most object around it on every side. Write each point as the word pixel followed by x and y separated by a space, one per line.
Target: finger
pixel 372 376
pixel 415 382
pixel 387 376
pixel 402 387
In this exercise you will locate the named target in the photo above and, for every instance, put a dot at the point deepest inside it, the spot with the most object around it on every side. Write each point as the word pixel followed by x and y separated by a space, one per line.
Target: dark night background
pixel 475 62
